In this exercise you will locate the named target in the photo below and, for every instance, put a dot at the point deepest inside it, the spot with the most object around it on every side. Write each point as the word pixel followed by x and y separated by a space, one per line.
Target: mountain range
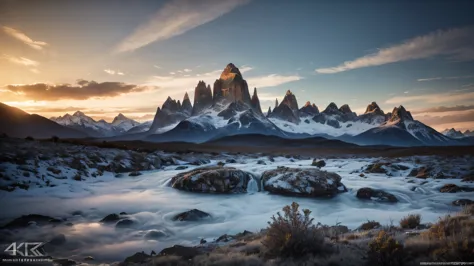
pixel 81 122
pixel 228 109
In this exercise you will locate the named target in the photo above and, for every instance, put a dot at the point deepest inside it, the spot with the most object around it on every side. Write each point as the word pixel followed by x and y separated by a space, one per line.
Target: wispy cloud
pixel 244 69
pixel 271 80
pixel 21 60
pixel 176 18
pixel 433 98
pixel 113 72
pixel 34 70
pixel 449 78
pixel 83 90
pixel 455 44
pixel 38 45
pixel 443 109
pixel 187 70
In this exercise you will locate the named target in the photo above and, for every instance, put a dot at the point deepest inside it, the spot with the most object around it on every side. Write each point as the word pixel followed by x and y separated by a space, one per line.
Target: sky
pixel 106 57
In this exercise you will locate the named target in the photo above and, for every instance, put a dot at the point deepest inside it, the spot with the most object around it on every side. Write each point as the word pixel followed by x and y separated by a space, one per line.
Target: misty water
pixel 151 204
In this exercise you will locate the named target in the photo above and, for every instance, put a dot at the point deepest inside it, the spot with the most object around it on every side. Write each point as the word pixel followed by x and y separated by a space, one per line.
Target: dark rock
pixel 212 180
pixel 220 163
pixel 223 238
pixel 369 193
pixel 154 234
pixel 139 258
pixel 230 161
pixel 182 167
pixel 302 182
pixel 261 162
pixel 203 241
pixel 125 223
pixel 319 163
pixel 123 213
pixel 377 168
pixel 192 215
pixel 135 173
pixel 58 240
pixel 462 202
pixel 180 251
pixel 111 218
pixel 77 213
pixel 362 175
pixel 452 188
pixel 24 221
pixel 88 258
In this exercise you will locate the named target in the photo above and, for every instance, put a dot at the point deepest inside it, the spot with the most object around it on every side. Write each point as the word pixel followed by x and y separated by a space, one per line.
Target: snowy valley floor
pixel 83 184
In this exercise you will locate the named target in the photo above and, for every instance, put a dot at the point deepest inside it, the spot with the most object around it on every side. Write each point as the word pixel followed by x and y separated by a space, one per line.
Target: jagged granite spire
pixel 231 87
pixel 255 102
pixel 276 103
pixel 269 112
pixel 202 97
pixel 374 108
pixel 287 110
pixel 309 109
pixel 401 114
pixel 186 106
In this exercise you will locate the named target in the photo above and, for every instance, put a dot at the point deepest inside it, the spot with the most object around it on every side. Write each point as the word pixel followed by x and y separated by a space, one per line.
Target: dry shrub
pixel 450 239
pixel 385 251
pixel 411 221
pixel 369 225
pixel 293 234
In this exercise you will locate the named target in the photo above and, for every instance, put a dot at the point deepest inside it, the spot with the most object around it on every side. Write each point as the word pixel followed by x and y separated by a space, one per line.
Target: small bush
pixel 411 221
pixel 29 138
pixel 369 225
pixel 293 234
pixel 54 139
pixel 468 210
pixel 385 251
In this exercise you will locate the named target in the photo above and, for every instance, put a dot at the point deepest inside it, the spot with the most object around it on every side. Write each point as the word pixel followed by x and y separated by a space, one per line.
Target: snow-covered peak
pixel 453 133
pixel 400 114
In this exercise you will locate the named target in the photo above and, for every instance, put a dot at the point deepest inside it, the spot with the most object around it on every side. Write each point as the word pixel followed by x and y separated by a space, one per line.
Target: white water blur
pixel 152 204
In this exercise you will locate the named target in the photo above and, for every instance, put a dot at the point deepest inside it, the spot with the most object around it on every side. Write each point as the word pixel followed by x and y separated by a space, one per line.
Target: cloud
pixel 34 70
pixel 455 118
pixel 271 80
pixel 21 60
pixel 244 69
pixel 455 44
pixel 157 66
pixel 38 45
pixel 176 18
pixel 113 72
pixel 449 78
pixel 83 90
pixel 442 109
pixel 433 98
pixel 187 70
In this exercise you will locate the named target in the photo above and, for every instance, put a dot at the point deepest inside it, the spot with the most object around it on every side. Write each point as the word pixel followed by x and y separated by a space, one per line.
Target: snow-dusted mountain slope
pixel 101 128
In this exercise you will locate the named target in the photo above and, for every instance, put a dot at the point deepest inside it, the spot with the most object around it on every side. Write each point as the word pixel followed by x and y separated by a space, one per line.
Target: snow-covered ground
pixel 151 203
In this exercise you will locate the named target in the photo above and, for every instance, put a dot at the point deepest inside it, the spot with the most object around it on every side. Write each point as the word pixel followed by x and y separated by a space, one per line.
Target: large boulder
pixel 452 188
pixel 212 180
pixel 377 194
pixel 302 182
pixel 192 215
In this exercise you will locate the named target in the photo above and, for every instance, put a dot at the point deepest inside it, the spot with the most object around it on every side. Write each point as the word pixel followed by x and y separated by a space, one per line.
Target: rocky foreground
pixel 28 167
